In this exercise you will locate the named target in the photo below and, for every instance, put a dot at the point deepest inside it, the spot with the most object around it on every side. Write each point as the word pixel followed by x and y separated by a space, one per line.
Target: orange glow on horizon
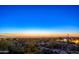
pixel 41 35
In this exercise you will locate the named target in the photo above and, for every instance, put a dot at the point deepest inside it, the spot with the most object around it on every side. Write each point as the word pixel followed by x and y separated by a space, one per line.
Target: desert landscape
pixel 39 43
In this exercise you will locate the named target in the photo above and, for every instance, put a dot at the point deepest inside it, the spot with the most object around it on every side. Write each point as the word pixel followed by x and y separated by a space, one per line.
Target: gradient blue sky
pixel 55 18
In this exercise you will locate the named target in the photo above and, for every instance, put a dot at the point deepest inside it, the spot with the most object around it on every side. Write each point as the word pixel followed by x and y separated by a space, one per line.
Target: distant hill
pixel 36 35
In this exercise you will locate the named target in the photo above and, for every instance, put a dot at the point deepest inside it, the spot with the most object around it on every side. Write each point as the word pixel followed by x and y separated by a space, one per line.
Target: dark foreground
pixel 39 46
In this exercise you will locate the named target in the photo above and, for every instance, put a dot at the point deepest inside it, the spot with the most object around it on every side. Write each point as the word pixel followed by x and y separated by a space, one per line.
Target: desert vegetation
pixel 39 45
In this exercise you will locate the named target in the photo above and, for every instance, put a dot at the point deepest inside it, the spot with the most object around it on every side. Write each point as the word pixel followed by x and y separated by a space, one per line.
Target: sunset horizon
pixel 37 35
pixel 39 29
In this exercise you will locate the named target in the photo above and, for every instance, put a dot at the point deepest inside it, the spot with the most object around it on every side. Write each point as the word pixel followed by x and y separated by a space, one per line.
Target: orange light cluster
pixel 76 41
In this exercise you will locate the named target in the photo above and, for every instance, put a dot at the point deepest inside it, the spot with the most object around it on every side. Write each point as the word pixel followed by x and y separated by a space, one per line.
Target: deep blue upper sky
pixel 43 17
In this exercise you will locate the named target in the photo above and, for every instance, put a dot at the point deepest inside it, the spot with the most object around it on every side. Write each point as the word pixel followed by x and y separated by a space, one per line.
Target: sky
pixel 39 19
